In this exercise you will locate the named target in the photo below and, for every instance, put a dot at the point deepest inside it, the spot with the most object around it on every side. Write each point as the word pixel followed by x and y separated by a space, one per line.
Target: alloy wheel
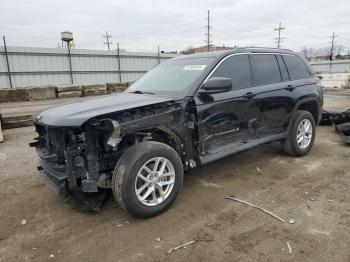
pixel 155 181
pixel 304 133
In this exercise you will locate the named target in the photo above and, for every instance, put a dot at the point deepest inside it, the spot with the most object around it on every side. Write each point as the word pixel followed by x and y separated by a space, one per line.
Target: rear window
pixel 296 68
pixel 266 70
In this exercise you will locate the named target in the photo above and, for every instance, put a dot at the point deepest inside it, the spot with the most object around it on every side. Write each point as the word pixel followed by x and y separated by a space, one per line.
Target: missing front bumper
pixel 82 201
pixel 58 186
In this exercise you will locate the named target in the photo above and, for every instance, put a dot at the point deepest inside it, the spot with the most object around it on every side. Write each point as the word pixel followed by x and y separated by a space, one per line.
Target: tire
pixel 133 165
pixel 291 146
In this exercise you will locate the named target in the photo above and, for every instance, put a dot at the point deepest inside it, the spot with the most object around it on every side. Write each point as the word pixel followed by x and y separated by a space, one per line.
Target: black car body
pixel 79 144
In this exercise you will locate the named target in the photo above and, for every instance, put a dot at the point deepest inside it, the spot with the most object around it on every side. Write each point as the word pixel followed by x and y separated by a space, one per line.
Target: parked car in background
pixel 188 111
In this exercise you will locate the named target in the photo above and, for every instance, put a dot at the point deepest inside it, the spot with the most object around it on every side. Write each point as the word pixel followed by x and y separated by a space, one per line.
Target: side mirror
pixel 216 85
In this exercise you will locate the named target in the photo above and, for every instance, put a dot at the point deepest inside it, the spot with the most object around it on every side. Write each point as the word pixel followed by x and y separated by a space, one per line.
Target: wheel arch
pixel 161 134
pixel 122 136
pixel 308 104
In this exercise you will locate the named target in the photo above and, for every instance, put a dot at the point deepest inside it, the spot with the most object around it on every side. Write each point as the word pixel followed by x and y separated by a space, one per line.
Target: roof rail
pixel 261 47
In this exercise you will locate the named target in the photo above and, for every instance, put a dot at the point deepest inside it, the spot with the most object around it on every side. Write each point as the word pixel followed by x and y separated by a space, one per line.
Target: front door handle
pixel 249 95
pixel 290 87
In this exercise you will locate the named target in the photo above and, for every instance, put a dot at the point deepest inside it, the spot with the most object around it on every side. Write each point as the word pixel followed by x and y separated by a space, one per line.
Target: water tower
pixel 67 37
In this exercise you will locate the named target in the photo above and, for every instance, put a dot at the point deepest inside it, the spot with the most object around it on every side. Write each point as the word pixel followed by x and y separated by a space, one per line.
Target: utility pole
pixel 158 55
pixel 332 46
pixel 70 63
pixel 119 69
pixel 108 41
pixel 279 38
pixel 208 32
pixel 7 61
pixel 333 36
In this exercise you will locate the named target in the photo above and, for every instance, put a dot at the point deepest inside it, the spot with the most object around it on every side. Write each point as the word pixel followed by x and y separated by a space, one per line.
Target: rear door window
pixel 265 69
pixel 237 68
pixel 296 68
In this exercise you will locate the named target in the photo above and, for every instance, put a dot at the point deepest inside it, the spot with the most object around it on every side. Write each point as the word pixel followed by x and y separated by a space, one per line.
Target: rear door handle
pixel 249 95
pixel 290 87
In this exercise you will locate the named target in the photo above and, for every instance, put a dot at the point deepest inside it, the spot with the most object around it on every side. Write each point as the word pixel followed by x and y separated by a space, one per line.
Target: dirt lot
pixel 313 190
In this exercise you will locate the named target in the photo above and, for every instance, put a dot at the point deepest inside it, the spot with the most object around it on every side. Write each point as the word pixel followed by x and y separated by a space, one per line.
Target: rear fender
pixel 299 104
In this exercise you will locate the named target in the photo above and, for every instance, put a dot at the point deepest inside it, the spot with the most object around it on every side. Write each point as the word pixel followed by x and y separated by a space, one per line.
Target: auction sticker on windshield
pixel 194 67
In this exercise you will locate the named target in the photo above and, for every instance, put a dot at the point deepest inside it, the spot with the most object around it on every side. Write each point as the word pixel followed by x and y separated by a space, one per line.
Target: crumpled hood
pixel 75 114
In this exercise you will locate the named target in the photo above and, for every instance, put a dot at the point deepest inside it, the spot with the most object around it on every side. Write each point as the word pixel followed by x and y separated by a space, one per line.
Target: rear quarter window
pixel 296 68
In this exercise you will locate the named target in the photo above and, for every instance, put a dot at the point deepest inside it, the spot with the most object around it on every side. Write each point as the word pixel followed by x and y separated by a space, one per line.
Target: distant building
pixel 201 49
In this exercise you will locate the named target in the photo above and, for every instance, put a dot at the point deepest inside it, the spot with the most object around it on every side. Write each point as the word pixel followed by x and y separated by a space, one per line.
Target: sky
pixel 175 25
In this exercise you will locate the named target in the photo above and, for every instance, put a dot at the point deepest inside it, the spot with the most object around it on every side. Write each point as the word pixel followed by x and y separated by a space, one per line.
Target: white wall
pixel 50 66
pixel 338 66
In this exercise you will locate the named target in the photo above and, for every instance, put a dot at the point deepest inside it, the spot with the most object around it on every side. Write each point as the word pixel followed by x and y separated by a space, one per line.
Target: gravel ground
pixel 37 225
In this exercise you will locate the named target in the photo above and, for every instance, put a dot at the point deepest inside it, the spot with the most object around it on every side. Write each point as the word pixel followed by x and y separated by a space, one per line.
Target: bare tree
pixel 321 53
pixel 339 49
pixel 307 52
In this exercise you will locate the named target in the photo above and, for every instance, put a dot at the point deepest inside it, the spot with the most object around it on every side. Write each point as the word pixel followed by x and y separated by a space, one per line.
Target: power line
pixel 239 29
pixel 319 25
pixel 108 42
pixel 166 29
pixel 165 35
pixel 279 38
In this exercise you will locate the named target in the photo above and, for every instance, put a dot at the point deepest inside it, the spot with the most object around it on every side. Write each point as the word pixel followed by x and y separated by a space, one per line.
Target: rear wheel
pixel 147 178
pixel 302 134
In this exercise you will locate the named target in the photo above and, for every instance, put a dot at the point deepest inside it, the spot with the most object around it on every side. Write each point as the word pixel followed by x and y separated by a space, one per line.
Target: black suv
pixel 185 112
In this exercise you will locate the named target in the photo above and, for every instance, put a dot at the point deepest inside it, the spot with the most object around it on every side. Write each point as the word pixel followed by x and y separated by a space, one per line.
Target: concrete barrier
pixel 335 80
pixel 69 91
pixel 41 92
pixel 92 90
pixel 348 84
pixel 69 94
pixel 13 95
pixel 69 88
pixel 116 87
pixel 14 121
pixel 50 92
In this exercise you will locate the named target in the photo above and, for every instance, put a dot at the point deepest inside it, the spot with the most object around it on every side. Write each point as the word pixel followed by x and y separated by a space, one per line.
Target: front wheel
pixel 302 134
pixel 147 178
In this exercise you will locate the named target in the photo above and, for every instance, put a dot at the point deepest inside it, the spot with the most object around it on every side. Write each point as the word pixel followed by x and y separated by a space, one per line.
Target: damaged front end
pixel 69 164
pixel 78 161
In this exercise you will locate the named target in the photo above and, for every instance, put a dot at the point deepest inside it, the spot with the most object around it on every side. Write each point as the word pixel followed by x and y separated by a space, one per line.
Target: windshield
pixel 173 77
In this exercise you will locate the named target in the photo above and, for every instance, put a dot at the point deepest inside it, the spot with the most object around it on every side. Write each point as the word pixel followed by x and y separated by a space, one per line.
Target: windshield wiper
pixel 142 92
